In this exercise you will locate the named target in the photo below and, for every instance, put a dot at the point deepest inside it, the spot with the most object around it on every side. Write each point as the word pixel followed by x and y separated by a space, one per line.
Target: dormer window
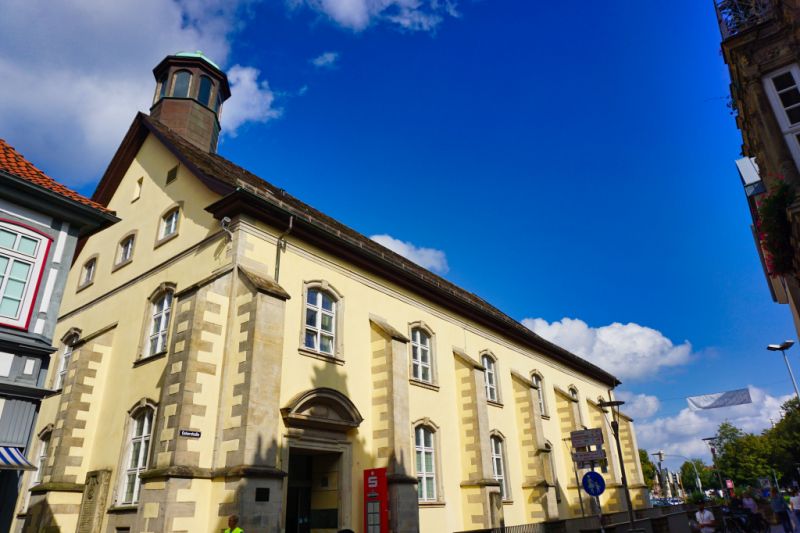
pixel 204 93
pixel 180 84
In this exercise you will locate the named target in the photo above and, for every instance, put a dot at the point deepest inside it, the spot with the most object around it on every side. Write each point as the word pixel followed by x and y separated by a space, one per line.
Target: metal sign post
pixel 595 485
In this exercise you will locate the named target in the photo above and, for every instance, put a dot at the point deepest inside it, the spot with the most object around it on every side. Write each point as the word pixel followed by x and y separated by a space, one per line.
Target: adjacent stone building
pixel 40 223
pixel 237 351
pixel 761 46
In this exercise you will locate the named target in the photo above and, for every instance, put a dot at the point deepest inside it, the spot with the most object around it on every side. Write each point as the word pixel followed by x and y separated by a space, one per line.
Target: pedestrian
pixel 233 525
pixel 780 510
pixel 705 519
pixel 794 503
pixel 749 503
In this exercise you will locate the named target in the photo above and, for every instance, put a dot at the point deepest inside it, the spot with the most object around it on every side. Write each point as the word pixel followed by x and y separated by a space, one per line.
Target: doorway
pixel 313 498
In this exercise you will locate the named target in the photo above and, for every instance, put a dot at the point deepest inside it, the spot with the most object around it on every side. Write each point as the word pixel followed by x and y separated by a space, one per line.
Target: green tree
pixel 784 442
pixel 648 468
pixel 742 457
pixel 708 478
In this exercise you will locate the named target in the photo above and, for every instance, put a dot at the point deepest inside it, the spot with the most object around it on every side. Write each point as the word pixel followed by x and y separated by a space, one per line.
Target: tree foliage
pixel 648 468
pixel 708 478
pixel 745 457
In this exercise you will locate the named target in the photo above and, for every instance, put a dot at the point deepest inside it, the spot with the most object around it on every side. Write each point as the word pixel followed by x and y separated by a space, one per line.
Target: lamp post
pixel 782 348
pixel 614 406
pixel 712 444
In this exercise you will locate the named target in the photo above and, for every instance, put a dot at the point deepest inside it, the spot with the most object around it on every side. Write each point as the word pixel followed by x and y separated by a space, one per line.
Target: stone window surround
pixel 497 402
pixel 789 131
pixel 142 354
pixel 575 397
pixel 541 392
pixel 437 462
pixel 432 354
pixel 551 467
pixel 118 484
pixel 70 339
pixel 496 434
pixel 118 263
pixel 338 344
pixel 84 283
pixel 177 206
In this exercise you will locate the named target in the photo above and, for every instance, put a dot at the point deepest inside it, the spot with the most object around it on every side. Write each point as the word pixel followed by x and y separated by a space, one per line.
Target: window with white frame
pixel 421 355
pixel 63 365
pixel 783 90
pixel 159 323
pixel 169 223
pixel 490 377
pixel 320 326
pixel 87 274
pixel 426 463
pixel 498 465
pixel 22 257
pixel 141 423
pixel 41 459
pixel 538 384
pixel 125 252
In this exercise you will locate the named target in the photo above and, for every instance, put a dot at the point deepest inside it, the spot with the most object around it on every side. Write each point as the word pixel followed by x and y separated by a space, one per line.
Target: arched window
pixel 180 84
pixel 63 364
pixel 421 355
pixel 320 331
pixel 159 322
pixel 538 384
pixel 23 253
pixel 125 250
pixel 424 442
pixel 573 393
pixel 490 377
pixel 499 464
pixel 551 462
pixel 136 455
pixel 169 223
pixel 204 92
pixel 87 273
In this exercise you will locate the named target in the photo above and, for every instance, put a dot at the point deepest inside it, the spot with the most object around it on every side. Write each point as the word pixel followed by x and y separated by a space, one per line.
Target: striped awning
pixel 12 459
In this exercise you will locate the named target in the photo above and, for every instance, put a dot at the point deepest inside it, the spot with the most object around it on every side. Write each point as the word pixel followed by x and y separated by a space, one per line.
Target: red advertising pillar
pixel 376 501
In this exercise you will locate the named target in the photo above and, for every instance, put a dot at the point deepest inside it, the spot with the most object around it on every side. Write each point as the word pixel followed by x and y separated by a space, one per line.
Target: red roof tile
pixel 12 162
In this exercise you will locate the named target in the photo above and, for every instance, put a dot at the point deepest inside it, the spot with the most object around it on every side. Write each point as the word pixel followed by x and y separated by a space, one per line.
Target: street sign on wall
pixel 586 437
pixel 588 457
pixel 376 501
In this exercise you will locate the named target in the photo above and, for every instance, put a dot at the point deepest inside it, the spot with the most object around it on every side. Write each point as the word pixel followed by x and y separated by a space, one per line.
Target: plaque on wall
pixel 93 502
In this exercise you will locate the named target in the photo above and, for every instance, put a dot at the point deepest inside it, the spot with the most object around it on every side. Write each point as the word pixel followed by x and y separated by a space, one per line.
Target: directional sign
pixel 593 484
pixel 586 457
pixel 586 437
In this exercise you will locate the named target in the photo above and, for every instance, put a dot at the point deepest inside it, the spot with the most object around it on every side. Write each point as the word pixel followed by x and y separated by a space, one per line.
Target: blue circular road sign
pixel 593 484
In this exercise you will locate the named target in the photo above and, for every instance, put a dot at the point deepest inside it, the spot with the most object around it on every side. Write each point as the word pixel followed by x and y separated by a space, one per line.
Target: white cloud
pixel 629 351
pixel 251 100
pixel 357 15
pixel 681 434
pixel 75 73
pixel 326 60
pixel 638 406
pixel 430 258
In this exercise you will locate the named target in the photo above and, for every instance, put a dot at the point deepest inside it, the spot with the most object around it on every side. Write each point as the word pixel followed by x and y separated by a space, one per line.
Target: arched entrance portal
pixel 318 452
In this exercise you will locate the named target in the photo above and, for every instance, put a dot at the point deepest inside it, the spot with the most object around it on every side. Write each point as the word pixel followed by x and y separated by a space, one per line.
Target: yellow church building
pixel 227 349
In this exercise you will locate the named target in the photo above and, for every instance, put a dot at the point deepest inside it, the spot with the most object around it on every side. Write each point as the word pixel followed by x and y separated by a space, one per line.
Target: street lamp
pixel 614 406
pixel 782 348
pixel 712 445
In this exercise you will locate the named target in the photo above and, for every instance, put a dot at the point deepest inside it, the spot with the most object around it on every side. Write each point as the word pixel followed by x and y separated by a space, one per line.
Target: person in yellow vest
pixel 233 525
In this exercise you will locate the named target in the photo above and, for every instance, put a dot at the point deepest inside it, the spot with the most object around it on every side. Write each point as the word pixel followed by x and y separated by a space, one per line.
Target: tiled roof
pixel 13 163
pixel 232 176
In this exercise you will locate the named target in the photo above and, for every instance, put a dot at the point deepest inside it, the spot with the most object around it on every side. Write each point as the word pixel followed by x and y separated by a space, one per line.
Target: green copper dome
pixel 200 55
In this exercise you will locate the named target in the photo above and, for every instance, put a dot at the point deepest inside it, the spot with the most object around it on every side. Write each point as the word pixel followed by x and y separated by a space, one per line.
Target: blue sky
pixel 562 160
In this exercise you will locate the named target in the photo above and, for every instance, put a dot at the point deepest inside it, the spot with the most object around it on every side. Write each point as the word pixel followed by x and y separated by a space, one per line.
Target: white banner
pixel 720 399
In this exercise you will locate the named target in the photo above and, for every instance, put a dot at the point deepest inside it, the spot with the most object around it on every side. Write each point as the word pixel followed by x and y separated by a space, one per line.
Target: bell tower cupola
pixel 190 90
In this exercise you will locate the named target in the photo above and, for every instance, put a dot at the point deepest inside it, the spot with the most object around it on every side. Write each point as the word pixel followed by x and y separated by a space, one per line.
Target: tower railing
pixel 736 16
